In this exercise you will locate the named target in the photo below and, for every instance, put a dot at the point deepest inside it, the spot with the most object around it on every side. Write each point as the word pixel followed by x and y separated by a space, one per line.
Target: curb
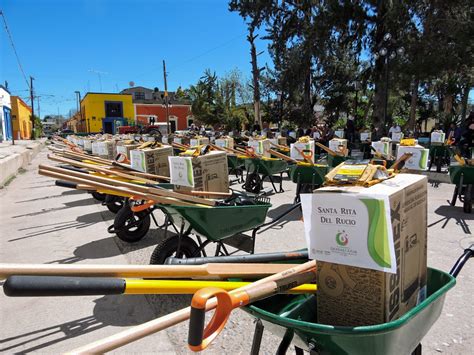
pixel 10 165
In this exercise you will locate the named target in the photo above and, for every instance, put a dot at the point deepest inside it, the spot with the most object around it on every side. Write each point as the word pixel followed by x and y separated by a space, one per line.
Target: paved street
pixel 42 223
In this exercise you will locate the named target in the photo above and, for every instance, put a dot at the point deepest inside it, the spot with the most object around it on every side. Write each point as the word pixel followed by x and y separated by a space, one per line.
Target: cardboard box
pixel 350 295
pixel 419 160
pixel 295 154
pixel 106 150
pixel 203 173
pixel 365 136
pixel 95 148
pixel 225 142
pixel 87 145
pixel 335 143
pixel 438 137
pixel 397 137
pixel 261 146
pixel 381 147
pixel 125 148
pixel 152 160
pixel 194 142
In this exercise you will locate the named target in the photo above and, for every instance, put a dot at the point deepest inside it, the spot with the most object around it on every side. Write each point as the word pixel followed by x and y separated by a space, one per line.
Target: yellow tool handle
pixel 174 287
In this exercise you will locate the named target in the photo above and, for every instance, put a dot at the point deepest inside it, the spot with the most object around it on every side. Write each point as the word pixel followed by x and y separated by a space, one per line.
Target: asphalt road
pixel 43 223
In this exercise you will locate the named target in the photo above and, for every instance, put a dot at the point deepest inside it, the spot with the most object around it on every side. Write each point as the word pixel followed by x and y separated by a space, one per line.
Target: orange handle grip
pixel 141 207
pixel 199 337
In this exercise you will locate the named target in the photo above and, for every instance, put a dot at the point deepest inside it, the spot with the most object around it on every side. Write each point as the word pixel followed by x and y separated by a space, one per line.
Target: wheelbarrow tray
pixel 265 167
pixel 308 174
pixel 335 160
pixel 219 222
pixel 235 162
pixel 295 313
pixel 467 172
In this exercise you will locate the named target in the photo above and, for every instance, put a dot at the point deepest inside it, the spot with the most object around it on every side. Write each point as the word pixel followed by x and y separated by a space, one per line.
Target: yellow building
pixel 105 112
pixel 21 118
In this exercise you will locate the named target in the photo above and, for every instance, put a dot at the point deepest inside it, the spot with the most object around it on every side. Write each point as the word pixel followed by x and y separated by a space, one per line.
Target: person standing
pixel 394 129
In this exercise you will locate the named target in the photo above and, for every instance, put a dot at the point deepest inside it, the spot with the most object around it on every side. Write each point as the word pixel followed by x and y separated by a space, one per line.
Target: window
pixel 113 109
pixel 139 95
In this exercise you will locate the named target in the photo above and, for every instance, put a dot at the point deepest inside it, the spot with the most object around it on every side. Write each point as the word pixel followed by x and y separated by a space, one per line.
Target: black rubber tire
pixel 98 196
pixel 126 216
pixel 467 206
pixel 169 246
pixel 114 203
pixel 253 183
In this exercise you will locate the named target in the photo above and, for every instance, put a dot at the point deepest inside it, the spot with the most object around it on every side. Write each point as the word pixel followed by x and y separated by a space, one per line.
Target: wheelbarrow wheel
pixel 114 203
pixel 131 227
pixel 467 206
pixel 168 247
pixel 253 183
pixel 98 196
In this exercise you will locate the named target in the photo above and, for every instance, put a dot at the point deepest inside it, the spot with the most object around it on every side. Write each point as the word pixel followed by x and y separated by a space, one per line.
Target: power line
pixel 14 49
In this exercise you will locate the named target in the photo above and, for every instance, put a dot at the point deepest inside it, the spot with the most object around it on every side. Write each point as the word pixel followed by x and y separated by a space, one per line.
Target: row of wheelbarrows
pixel 222 218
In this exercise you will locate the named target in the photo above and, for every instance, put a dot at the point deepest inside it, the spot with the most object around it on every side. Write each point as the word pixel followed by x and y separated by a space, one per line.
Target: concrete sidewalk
pixel 16 157
pixel 43 223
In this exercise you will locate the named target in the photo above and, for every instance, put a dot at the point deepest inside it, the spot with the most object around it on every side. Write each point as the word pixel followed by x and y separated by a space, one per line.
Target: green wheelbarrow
pixel 226 226
pixel 307 177
pixel 267 168
pixel 293 318
pixel 236 166
pixel 440 155
pixel 463 177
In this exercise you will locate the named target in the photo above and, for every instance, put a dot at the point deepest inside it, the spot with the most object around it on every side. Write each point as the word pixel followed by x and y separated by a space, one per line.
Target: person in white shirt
pixel 394 129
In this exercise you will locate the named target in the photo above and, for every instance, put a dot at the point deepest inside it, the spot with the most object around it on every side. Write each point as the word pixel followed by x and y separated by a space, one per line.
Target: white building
pixel 5 114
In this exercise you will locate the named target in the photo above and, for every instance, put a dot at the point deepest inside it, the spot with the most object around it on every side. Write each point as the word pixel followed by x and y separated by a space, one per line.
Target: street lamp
pixel 388 50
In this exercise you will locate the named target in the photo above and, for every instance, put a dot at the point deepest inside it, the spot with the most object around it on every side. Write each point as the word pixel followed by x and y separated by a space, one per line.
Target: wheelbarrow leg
pixel 285 342
pixel 257 338
pixel 418 350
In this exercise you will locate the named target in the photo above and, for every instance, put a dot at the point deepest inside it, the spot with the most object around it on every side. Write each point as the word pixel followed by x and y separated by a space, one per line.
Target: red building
pixel 150 107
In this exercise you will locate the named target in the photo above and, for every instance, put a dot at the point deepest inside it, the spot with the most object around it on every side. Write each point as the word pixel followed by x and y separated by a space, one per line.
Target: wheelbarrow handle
pixel 199 337
pixel 468 253
pixel 36 286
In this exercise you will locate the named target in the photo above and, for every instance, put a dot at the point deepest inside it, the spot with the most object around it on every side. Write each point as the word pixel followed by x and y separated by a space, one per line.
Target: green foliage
pixel 325 52
pixel 221 101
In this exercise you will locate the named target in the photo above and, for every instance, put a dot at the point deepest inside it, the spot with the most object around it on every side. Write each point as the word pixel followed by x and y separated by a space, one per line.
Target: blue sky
pixel 60 41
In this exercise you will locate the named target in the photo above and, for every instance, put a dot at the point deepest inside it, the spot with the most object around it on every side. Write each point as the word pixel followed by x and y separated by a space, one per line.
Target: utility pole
pixel 39 110
pixel 166 98
pixel 79 108
pixel 32 109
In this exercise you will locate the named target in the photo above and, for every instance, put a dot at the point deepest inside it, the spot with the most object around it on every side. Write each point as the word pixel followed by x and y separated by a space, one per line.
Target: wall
pixel 4 104
pixel 93 105
pixel 182 112
pixel 21 118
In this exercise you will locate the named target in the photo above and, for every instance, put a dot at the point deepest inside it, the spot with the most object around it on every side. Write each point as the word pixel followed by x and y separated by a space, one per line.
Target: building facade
pixel 5 114
pixel 105 112
pixel 21 118
pixel 150 106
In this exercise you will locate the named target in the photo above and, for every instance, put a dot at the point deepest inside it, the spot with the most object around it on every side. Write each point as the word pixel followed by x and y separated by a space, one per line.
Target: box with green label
pixel 207 172
pixel 125 149
pixel 370 244
pixel 152 160
pixel 419 158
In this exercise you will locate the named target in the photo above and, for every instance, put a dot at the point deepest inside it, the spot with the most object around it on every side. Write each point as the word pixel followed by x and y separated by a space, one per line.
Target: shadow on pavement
pixel 452 212
pixel 294 215
pixel 78 203
pixel 105 248
pixel 82 221
pixel 111 310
